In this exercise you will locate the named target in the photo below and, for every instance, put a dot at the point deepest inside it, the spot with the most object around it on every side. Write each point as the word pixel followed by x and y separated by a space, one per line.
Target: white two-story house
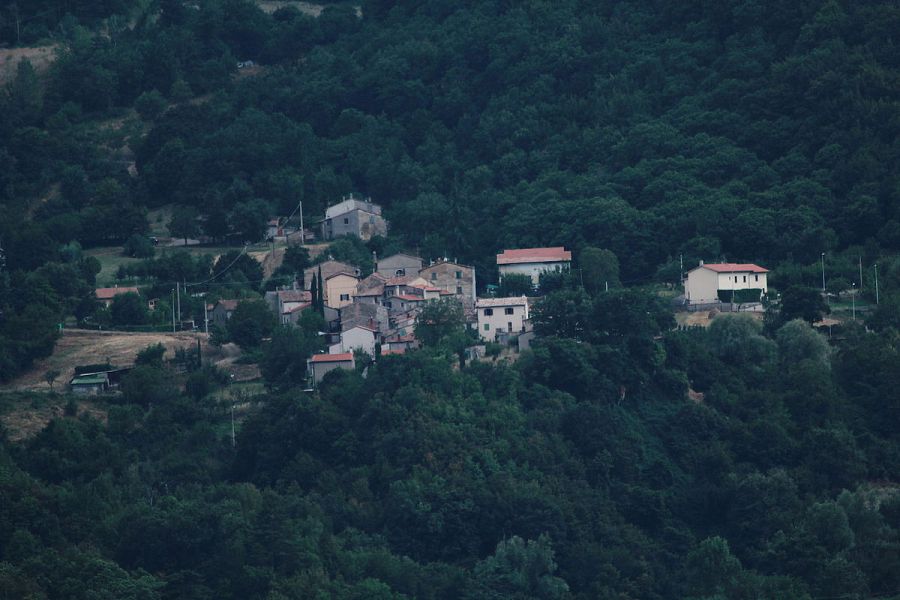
pixel 704 283
pixel 496 315
pixel 533 261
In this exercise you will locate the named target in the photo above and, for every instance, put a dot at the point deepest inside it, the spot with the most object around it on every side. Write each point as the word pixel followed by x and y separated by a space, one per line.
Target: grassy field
pixel 81 347
pixel 24 414
pixel 110 260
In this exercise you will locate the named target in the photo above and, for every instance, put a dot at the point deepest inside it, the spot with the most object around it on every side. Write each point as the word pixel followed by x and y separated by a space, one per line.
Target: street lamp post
pixel 823 272
pixel 853 299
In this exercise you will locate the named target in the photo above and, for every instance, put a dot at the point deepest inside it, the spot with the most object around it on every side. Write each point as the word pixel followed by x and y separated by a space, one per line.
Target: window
pixel 509 327
pixel 508 311
pixel 400 272
pixel 487 326
pixel 459 274
pixel 459 290
pixel 745 279
pixel 345 296
pixel 735 278
pixel 489 312
pixel 346 221
pixel 434 276
pixel 756 277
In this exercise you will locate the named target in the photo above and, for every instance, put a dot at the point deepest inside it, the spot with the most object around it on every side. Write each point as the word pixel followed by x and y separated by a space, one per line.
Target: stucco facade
pixel 533 261
pixel 320 364
pixel 703 283
pixel 533 270
pixel 340 289
pixel 501 315
pixel 356 338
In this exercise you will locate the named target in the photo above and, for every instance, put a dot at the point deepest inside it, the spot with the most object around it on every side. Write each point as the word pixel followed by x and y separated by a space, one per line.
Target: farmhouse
pixel 501 315
pixel 351 216
pixel 714 282
pixel 222 311
pixel 105 295
pixel 533 261
pixel 320 364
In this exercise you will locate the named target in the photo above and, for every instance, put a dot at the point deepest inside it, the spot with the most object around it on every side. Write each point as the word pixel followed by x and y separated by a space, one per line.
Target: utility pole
pixel 860 273
pixel 823 272
pixel 876 284
pixel 233 442
pixel 205 317
pixel 178 296
pixel 173 310
pixel 853 299
pixel 680 268
pixel 302 234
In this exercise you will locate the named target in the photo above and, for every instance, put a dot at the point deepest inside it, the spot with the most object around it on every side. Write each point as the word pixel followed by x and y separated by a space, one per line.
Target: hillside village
pixel 449 300
pixel 376 314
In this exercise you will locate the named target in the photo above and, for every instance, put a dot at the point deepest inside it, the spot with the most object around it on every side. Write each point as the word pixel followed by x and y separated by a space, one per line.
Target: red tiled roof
pixel 735 268
pixel 385 352
pixel 228 304
pixel 108 293
pixel 534 255
pixel 490 302
pixel 294 295
pixel 303 306
pixel 409 298
pixel 348 274
pixel 321 358
pixel 375 291
pixel 402 280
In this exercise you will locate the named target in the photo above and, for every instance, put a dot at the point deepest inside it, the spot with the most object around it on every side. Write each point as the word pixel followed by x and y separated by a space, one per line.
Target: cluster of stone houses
pixel 377 313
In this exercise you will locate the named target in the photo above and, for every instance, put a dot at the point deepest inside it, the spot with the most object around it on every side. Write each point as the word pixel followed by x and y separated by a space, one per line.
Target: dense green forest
pixel 621 457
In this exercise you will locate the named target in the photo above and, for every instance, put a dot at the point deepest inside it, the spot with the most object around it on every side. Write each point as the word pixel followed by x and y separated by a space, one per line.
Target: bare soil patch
pixel 29 418
pixel 83 347
pixel 40 57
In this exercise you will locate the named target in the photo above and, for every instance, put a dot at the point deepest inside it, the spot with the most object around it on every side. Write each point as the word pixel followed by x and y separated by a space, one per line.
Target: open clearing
pixel 40 57
pixel 27 417
pixel 309 8
pixel 83 347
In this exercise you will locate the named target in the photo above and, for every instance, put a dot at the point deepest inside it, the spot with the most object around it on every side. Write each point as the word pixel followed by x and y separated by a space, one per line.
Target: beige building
pixel 328 268
pixel 320 364
pixel 704 282
pixel 340 289
pixel 533 261
pixel 452 277
pixel 105 295
pixel 496 315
